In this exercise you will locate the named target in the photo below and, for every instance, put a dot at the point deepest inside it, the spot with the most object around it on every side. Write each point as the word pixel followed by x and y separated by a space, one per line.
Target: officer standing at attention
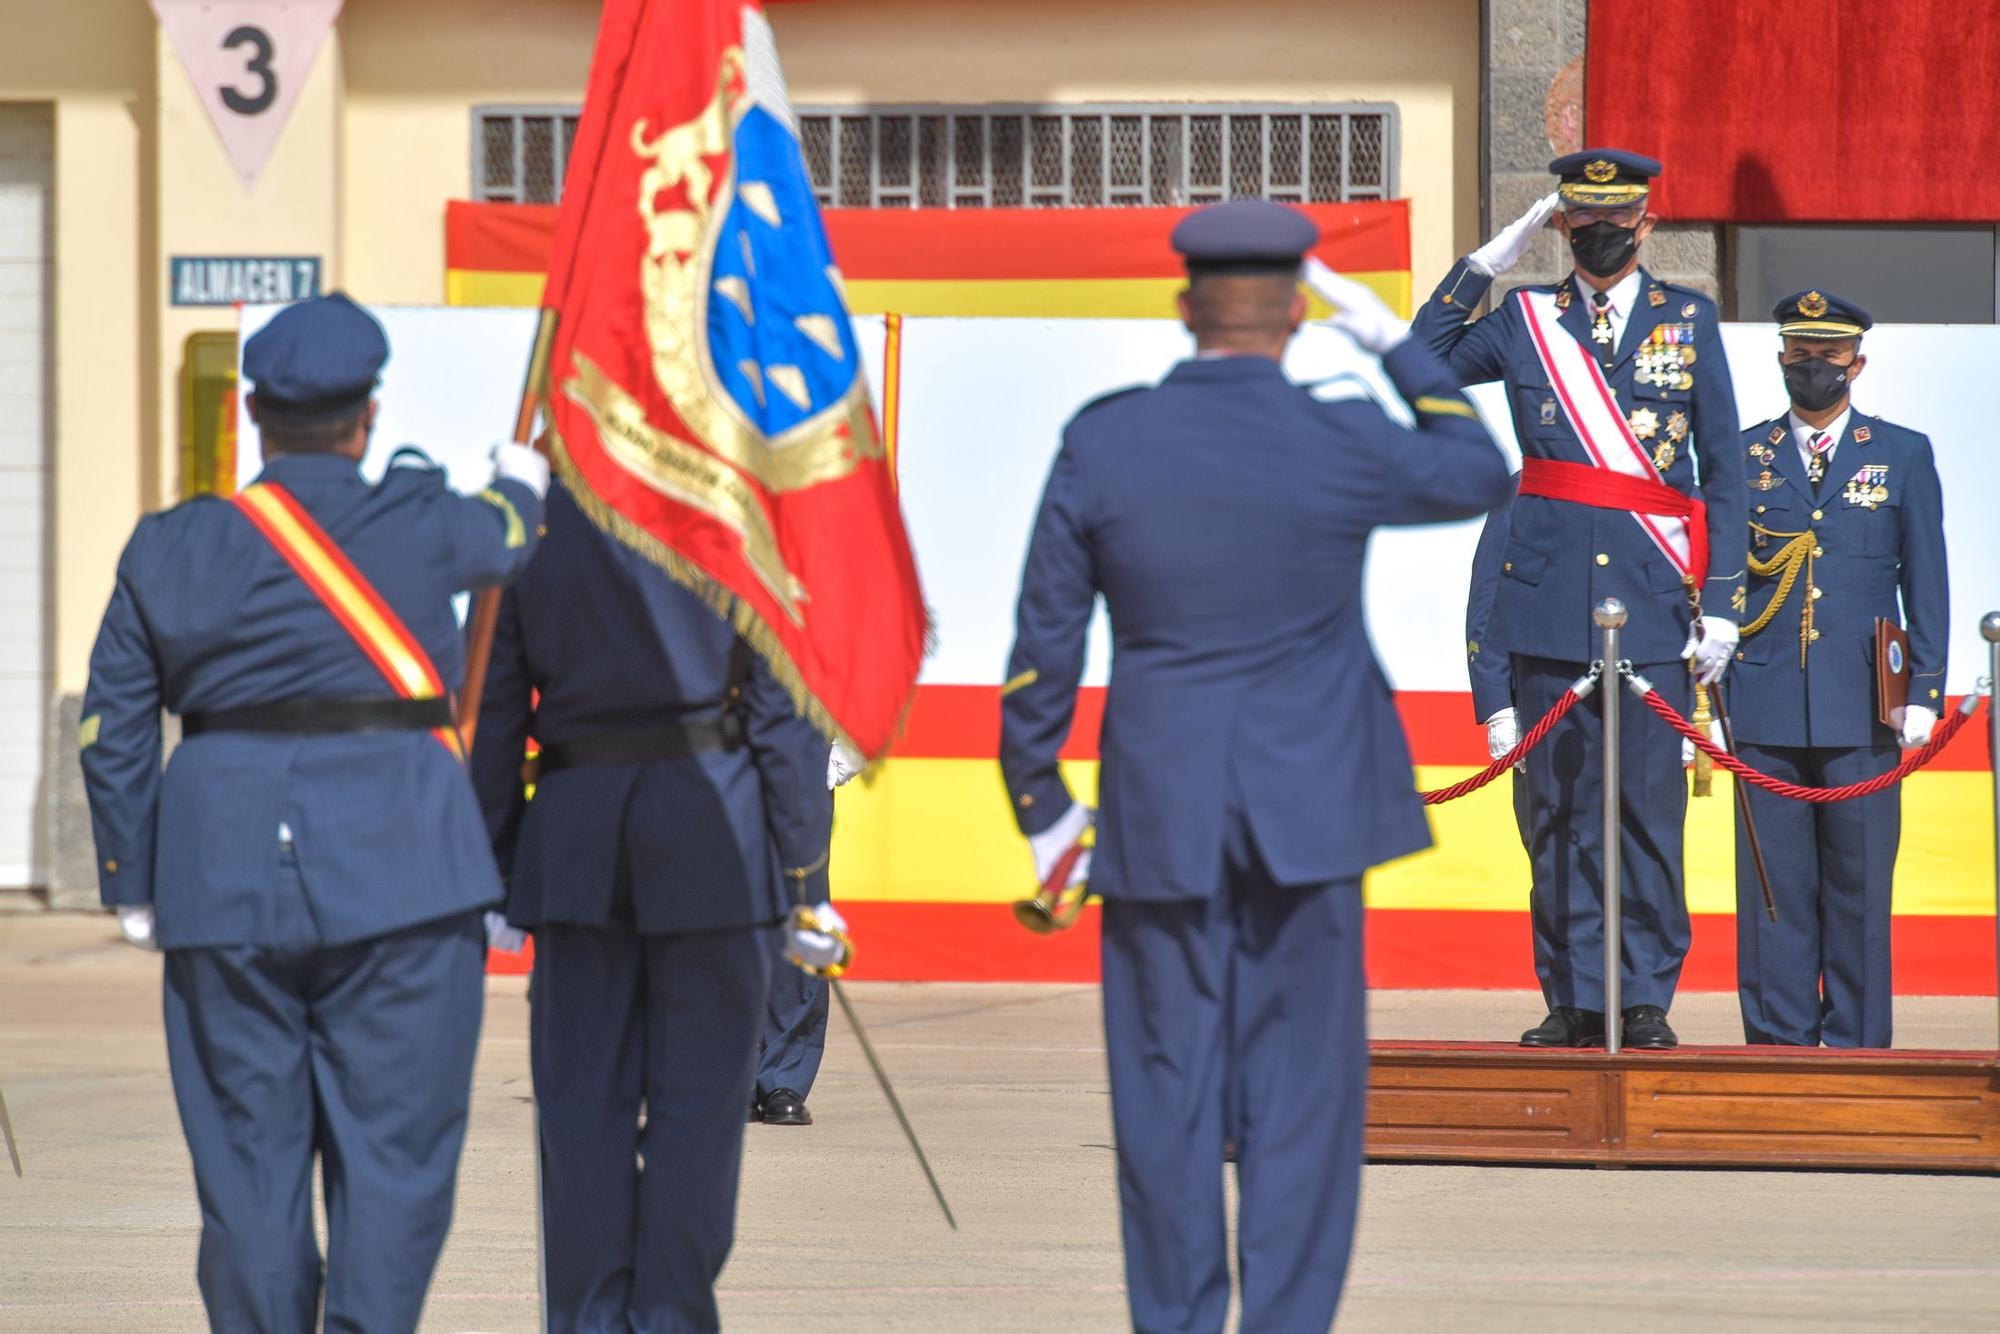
pixel 680 811
pixel 1846 516
pixel 1617 385
pixel 312 860
pixel 1253 765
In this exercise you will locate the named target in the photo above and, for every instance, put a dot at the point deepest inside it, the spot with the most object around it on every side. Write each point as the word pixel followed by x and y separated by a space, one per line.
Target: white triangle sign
pixel 248 59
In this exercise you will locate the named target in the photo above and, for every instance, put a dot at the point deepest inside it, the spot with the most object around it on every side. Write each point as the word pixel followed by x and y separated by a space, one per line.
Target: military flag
pixel 706 399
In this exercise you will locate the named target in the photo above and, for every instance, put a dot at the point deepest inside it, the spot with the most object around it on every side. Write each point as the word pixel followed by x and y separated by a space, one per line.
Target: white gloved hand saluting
pixel 842 766
pixel 524 464
pixel 135 922
pixel 1710 644
pixel 1357 311
pixel 1913 725
pixel 816 950
pixel 1504 251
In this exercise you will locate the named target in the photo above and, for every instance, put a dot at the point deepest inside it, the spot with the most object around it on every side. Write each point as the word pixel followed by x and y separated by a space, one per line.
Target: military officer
pixel 1253 765
pixel 680 810
pixel 311 861
pixel 1617 383
pixel 1846 517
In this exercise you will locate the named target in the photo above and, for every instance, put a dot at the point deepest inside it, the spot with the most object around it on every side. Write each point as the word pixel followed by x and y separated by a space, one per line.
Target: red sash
pixel 347 594
pixel 1601 488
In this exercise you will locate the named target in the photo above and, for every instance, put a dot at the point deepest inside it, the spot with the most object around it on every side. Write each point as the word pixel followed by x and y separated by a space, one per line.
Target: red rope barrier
pixel 1912 760
pixel 1500 766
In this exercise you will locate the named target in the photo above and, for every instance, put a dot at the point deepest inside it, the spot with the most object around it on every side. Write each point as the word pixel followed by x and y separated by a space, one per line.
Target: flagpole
pixel 485 617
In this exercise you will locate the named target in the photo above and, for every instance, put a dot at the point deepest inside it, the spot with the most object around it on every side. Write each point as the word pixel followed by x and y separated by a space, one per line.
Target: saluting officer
pixel 680 811
pixel 1253 764
pixel 312 860
pixel 1846 517
pixel 1617 383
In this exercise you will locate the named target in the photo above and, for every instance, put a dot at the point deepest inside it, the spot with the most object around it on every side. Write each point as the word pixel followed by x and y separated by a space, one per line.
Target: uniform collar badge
pixel 1861 435
pixel 1656 297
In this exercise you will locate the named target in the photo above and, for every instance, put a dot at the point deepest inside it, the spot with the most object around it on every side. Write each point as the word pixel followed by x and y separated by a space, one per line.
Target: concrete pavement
pixel 1007 1087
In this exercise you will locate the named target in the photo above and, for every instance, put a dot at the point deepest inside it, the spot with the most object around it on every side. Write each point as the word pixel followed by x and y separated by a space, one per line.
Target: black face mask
pixel 1603 248
pixel 1815 385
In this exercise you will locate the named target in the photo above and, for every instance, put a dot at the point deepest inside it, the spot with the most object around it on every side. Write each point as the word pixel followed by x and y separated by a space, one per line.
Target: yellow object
pixel 805 919
pixel 1704 767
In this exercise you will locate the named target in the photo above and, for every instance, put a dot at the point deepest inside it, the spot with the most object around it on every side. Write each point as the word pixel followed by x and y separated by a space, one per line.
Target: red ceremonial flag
pixel 706 398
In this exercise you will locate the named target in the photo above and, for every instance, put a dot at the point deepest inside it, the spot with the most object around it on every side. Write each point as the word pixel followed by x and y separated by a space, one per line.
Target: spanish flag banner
pixel 706 401
pixel 1111 263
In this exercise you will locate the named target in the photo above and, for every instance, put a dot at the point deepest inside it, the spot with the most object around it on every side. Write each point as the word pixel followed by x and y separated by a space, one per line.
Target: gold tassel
pixel 1704 767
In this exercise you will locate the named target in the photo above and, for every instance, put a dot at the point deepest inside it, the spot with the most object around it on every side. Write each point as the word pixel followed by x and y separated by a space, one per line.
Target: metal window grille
pixel 1102 156
pixel 521 154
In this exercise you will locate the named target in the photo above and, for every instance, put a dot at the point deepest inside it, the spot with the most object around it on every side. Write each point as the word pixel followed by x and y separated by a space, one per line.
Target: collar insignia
pixel 1656 297
pixel 1861 434
pixel 1778 433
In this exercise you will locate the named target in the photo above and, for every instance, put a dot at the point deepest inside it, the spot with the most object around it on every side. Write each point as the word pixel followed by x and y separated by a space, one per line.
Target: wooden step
pixel 1697 1106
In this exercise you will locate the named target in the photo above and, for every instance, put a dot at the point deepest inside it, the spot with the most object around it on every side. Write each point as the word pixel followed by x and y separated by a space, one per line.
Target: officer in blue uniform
pixel 312 860
pixel 1846 517
pixel 795 1015
pixel 1253 765
pixel 680 810
pixel 1657 348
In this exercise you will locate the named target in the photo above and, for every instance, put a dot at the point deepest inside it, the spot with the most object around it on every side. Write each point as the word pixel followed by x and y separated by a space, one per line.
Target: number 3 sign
pixel 248 59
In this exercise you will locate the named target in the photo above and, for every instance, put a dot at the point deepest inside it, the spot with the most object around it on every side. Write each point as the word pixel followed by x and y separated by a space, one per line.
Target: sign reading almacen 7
pixel 230 280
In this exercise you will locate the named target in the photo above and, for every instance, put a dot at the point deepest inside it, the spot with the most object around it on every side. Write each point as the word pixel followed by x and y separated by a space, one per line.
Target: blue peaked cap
pixel 318 358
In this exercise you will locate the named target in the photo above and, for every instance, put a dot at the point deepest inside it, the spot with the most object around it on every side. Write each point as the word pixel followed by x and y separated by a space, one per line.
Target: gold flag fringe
pixel 742 616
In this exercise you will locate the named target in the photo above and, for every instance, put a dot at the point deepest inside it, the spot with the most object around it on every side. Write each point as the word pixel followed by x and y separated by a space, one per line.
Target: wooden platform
pixel 1698 1106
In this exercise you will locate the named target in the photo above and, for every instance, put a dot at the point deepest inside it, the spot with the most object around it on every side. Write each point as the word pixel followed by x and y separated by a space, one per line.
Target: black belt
pixel 638 745
pixel 320 717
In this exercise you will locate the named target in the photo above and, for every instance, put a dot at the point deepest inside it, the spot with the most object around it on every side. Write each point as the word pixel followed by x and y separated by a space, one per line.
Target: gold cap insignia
pixel 1599 172
pixel 1812 305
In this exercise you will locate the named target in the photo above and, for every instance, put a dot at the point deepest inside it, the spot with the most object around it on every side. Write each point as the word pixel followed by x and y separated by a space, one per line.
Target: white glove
pixel 1913 724
pixel 816 950
pixel 1504 251
pixel 1503 732
pixel 1709 646
pixel 842 765
pixel 524 464
pixel 1049 845
pixel 136 922
pixel 1357 311
pixel 502 936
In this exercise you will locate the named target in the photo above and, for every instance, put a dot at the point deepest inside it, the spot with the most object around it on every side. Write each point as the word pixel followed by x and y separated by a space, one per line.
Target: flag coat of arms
pixel 706 399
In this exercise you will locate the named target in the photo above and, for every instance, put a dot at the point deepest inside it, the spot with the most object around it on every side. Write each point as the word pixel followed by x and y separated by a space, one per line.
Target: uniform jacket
pixel 1486 666
pixel 592 639
pixel 1224 516
pixel 1560 559
pixel 1878 524
pixel 206 615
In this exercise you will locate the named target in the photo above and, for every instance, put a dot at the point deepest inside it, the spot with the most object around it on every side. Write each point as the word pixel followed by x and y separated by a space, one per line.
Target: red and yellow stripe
pixel 347 594
pixel 1040 263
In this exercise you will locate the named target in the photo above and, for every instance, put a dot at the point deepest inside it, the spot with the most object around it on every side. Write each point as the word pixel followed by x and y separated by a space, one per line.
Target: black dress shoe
pixel 1567 1027
pixel 782 1107
pixel 1646 1029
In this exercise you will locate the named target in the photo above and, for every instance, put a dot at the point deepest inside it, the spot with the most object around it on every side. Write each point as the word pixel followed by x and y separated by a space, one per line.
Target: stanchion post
pixel 1989 628
pixel 1610 617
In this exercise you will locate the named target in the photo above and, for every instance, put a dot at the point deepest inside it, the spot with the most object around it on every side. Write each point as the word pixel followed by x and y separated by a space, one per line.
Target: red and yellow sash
pixel 346 592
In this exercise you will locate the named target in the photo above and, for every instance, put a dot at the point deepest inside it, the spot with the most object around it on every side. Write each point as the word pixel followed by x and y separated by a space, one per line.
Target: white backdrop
pixel 984 401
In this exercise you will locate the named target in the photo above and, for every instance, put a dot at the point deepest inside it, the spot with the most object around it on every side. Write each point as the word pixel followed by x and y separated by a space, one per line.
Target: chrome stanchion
pixel 1989 627
pixel 1610 616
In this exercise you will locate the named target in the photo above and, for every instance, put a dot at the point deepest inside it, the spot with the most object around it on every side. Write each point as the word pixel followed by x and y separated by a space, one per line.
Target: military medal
pixel 1687 311
pixel 1663 457
pixel 1645 423
pixel 1548 412
pixel 1868 488
pixel 1600 328
pixel 1677 426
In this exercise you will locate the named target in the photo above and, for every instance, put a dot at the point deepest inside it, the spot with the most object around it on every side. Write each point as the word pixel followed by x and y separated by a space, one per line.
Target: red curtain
pixel 1804 110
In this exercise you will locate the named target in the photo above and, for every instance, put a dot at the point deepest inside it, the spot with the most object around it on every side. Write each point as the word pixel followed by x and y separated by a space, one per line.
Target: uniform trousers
pixel 644 1048
pixel 1244 1016
pixel 1820 973
pixel 358 1054
pixel 1562 811
pixel 794 1030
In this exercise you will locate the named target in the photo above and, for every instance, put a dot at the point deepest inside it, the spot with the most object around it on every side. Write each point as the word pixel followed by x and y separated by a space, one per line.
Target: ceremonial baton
pixel 7 1130
pixel 1743 803
pixel 889 1092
